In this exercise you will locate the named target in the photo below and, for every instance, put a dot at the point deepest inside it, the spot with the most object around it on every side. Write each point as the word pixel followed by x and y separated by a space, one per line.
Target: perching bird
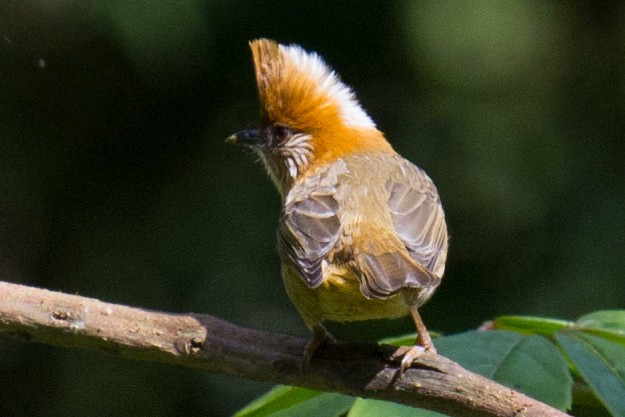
pixel 362 233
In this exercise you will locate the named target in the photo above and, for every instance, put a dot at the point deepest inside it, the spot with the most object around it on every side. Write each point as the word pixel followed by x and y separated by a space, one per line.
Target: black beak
pixel 249 137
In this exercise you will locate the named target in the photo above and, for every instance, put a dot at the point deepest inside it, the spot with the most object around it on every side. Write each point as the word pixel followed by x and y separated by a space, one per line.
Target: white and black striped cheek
pixel 296 153
pixel 290 151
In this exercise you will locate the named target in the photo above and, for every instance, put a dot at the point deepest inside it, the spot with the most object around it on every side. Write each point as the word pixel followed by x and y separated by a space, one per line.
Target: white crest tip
pixel 328 83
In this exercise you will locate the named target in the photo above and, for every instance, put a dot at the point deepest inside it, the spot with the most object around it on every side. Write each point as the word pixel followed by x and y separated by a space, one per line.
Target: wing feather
pixel 385 274
pixel 308 230
pixel 411 256
pixel 414 257
pixel 418 218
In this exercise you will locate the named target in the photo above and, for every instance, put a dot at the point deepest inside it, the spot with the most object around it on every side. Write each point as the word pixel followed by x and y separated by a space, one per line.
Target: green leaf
pixel 403 340
pixel 601 364
pixel 278 398
pixel 374 408
pixel 530 364
pixel 531 325
pixel 327 404
pixel 406 339
pixel 606 319
pixel 609 324
pixel 283 401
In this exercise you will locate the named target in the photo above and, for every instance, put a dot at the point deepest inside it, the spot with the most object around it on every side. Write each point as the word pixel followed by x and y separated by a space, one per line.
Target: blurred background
pixel 115 181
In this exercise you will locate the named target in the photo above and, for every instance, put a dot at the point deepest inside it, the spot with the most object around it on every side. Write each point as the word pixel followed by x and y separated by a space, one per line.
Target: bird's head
pixel 308 116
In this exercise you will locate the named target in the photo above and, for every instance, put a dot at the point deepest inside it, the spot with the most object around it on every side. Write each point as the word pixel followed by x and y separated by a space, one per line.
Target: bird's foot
pixel 320 337
pixel 422 345
pixel 409 354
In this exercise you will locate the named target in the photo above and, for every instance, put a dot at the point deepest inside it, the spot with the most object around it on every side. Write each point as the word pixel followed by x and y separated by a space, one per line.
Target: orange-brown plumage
pixel 362 232
pixel 291 97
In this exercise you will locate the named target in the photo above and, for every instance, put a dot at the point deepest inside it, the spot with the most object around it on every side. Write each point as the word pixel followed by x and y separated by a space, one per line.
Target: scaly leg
pixel 423 339
pixel 422 344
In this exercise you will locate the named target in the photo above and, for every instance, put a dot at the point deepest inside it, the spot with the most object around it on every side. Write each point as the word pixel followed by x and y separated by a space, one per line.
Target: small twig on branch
pixel 209 343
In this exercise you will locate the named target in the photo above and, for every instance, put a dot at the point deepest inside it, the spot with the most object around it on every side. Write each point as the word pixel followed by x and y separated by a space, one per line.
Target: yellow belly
pixel 338 298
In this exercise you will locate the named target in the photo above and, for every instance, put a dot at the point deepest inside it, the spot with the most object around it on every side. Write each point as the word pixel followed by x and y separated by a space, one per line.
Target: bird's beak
pixel 249 137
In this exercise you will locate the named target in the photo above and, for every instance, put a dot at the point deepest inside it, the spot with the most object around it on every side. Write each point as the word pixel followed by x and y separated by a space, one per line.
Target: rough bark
pixel 209 343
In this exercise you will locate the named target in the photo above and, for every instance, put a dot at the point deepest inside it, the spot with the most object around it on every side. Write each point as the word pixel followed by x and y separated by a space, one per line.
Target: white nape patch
pixel 328 82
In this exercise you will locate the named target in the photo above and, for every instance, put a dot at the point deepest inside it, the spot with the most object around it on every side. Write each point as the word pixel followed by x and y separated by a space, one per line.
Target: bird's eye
pixel 281 133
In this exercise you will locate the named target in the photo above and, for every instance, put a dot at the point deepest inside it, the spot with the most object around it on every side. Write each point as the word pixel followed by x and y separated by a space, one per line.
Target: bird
pixel 362 232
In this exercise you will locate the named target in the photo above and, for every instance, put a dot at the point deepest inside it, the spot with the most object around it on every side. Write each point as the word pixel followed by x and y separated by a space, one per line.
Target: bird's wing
pixel 310 225
pixel 415 256
pixel 308 230
pixel 418 217
pixel 385 274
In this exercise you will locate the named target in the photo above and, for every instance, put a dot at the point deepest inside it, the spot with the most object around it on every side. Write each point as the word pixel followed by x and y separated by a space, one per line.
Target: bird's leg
pixel 422 344
pixel 423 339
pixel 319 337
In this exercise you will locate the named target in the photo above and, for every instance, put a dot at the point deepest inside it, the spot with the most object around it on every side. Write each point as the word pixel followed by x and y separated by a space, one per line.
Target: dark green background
pixel 115 181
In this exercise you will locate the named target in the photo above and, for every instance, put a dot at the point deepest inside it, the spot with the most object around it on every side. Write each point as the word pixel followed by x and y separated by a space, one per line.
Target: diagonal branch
pixel 209 343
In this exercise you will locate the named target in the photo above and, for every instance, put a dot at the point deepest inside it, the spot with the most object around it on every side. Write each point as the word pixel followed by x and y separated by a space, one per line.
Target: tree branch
pixel 209 343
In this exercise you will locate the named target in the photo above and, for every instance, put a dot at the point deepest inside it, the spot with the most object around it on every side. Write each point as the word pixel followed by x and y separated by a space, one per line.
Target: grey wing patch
pixel 386 273
pixel 308 231
pixel 418 218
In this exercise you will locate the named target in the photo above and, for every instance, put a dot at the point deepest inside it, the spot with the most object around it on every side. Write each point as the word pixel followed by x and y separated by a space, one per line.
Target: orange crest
pixel 298 89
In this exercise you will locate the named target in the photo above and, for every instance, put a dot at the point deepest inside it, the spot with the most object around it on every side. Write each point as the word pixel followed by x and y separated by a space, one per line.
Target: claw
pixel 407 355
pixel 422 345
pixel 411 355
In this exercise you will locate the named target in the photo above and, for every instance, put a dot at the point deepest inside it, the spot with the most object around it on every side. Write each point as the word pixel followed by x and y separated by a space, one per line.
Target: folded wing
pixel 419 224
pixel 308 230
